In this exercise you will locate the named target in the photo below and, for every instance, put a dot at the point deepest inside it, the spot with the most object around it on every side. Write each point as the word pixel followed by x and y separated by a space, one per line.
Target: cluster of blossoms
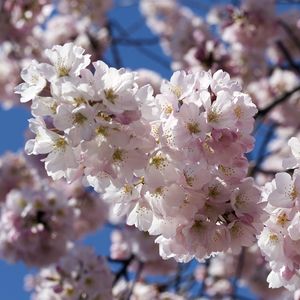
pixel 246 36
pixel 81 274
pixel 142 291
pixel 18 18
pixel 93 9
pixel 89 210
pixel 174 164
pixel 35 226
pixel 277 150
pixel 130 242
pixel 28 27
pixel 86 23
pixel 168 157
pixel 40 218
pixel 222 268
pixel 266 89
pixel 186 37
pixel 252 25
pixel 249 30
pixel 279 240
pixel 15 174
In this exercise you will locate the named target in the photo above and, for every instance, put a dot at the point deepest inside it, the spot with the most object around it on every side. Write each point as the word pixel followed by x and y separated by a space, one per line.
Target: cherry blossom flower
pixel 36 226
pixel 172 164
pixel 74 276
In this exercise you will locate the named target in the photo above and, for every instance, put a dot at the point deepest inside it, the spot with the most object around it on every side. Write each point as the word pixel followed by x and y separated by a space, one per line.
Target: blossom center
pixel 102 130
pixel 168 109
pixel 227 171
pixel 193 128
pixel 293 194
pixel 273 238
pixel 118 155
pixel 282 219
pixel 238 112
pixel 60 143
pixel 110 95
pixel 189 179
pixel 79 118
pixel 62 69
pixel 158 161
pixel 127 189
pixel 213 116
pixel 213 191
pixel 176 90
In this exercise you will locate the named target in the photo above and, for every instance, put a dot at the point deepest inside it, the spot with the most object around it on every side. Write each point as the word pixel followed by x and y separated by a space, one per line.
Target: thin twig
pixel 264 144
pixel 136 26
pixel 203 285
pixel 136 278
pixel 155 57
pixel 177 278
pixel 238 273
pixel 288 1
pixel 136 42
pixel 146 52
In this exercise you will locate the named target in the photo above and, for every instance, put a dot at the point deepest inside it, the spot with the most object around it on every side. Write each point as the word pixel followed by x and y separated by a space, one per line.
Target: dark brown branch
pixel 288 57
pixel 123 270
pixel 291 33
pixel 136 278
pixel 263 112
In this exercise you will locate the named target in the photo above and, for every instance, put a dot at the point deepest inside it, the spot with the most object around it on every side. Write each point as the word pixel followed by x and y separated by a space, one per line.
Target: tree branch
pixel 136 278
pixel 290 32
pixel 288 57
pixel 263 112
pixel 123 270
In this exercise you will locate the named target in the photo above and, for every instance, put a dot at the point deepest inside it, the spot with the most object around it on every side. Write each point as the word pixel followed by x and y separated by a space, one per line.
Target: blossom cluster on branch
pixel 279 241
pixel 28 27
pixel 40 219
pixel 173 163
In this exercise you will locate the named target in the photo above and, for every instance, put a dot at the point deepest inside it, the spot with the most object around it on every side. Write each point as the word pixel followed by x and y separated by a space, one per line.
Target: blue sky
pixel 13 124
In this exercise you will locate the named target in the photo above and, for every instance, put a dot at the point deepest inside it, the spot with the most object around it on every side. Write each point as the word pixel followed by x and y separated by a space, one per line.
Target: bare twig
pixel 136 42
pixel 114 48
